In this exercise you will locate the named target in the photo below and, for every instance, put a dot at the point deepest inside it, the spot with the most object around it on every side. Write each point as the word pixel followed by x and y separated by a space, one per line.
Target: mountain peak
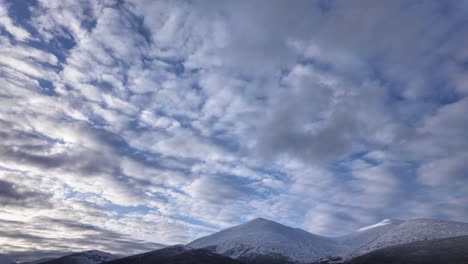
pixel 263 236
pixel 95 252
pixel 260 220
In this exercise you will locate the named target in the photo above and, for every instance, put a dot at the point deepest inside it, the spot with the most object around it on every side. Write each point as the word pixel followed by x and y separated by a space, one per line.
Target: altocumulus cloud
pixel 125 124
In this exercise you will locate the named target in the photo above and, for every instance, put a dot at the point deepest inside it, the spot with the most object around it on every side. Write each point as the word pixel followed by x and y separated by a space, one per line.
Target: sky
pixel 125 125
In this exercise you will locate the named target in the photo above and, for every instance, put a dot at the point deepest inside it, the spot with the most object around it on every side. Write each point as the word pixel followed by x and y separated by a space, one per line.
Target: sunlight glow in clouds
pixel 143 122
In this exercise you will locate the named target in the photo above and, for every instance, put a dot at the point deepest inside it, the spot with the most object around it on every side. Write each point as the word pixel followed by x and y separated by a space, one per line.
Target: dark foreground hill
pixel 86 257
pixel 176 255
pixel 452 250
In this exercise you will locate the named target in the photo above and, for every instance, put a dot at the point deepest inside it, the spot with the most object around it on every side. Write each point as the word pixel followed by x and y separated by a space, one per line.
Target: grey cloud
pixel 15 235
pixel 332 141
pixel 258 37
pixel 450 171
pixel 218 190
pixel 12 194
pixel 93 236
pixel 28 149
pixel 319 120
pixel 156 103
pixel 7 190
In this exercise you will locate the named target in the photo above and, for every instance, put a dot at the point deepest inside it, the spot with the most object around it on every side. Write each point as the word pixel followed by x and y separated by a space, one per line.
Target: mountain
pixel 453 250
pixel 152 256
pixel 176 255
pixel 42 260
pixel 265 241
pixel 86 257
pixel 415 230
pixel 264 237
pixel 366 235
pixel 4 259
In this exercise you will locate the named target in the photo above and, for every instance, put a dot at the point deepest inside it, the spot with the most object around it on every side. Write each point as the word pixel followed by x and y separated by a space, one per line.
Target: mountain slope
pixel 152 256
pixel 37 261
pixel 176 255
pixel 416 230
pixel 452 250
pixel 86 257
pixel 264 237
pixel 366 235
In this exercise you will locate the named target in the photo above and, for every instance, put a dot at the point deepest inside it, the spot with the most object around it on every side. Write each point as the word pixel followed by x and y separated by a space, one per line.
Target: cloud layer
pixel 145 122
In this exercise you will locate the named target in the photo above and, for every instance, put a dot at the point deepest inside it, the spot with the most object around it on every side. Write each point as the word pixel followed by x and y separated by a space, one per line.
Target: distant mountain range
pixel 264 241
pixel 86 257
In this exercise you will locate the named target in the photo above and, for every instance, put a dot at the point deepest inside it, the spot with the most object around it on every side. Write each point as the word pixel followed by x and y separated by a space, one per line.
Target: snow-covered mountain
pixel 453 250
pixel 366 235
pixel 86 257
pixel 262 237
pixel 416 230
pixel 265 237
pixel 264 241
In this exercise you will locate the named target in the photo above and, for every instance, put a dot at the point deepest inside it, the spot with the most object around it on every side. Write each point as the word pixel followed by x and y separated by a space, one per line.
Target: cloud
pixel 449 171
pixel 217 190
pixel 79 237
pixel 10 26
pixel 163 121
pixel 318 116
pixel 13 195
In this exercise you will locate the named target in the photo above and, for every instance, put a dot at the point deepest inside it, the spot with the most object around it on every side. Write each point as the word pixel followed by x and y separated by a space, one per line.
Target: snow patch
pixel 381 223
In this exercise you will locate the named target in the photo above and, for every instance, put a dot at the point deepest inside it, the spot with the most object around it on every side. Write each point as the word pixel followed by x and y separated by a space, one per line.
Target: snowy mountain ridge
pixel 265 241
pixel 365 235
pixel 262 236
pixel 265 237
pixel 416 230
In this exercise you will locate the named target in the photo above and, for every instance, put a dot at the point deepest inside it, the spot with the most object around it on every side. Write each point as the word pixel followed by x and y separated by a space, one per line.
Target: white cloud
pixel 167 120
pixel 449 171
pixel 6 22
